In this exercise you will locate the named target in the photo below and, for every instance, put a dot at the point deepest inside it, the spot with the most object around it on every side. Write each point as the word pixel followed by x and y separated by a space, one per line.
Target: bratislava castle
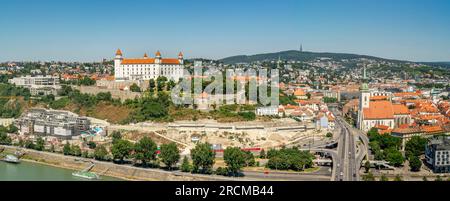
pixel 147 68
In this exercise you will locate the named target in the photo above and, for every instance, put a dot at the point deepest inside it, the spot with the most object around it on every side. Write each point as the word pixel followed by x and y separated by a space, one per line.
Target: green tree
pixel 185 165
pixel 100 153
pixel 39 144
pixel 415 146
pixel 367 166
pixel 151 85
pixel 262 154
pixel 154 110
pixel 247 116
pixel 170 154
pixel 12 129
pixel 161 82
pixel 373 134
pixel 202 158
pixel 5 139
pixel 29 144
pixel 66 149
pixel 85 154
pixel 222 171
pixel 170 85
pixel 415 163
pixel 121 150
pixel 329 135
pixel 135 88
pixel 289 158
pixel 91 145
pixel 76 150
pixel 234 158
pixel 145 150
pixel 116 135
pixel 249 159
pixel 394 157
pixel 424 178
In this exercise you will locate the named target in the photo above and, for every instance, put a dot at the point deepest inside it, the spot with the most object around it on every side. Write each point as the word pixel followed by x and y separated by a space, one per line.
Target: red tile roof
pixel 170 61
pixel 119 52
pixel 376 98
pixel 379 110
pixel 431 129
pixel 400 109
pixel 138 61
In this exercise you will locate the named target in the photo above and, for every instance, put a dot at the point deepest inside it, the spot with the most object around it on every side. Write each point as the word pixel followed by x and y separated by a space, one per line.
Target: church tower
pixel 364 99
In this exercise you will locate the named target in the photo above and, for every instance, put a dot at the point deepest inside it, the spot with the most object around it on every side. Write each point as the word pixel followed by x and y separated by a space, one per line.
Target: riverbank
pixel 125 172
pixel 32 171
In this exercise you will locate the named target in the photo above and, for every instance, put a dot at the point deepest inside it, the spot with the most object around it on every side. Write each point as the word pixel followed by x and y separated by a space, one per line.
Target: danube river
pixel 27 171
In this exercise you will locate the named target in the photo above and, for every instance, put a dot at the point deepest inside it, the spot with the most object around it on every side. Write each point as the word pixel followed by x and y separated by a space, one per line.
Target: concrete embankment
pixel 125 172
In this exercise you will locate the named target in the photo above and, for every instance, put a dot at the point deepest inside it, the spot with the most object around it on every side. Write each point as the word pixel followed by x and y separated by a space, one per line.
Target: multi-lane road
pixel 348 161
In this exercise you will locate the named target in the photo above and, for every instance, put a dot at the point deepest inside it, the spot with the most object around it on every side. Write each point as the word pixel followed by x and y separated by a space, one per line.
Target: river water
pixel 27 171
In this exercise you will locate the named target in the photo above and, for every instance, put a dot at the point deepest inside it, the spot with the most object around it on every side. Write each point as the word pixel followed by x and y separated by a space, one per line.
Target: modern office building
pixel 437 154
pixel 38 85
pixel 56 123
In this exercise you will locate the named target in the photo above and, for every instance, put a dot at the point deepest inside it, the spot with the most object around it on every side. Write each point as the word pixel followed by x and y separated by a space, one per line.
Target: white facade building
pixel 148 68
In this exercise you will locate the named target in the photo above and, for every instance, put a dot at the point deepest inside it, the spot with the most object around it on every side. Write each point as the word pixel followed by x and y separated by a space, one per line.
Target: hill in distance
pixel 297 56
pixel 445 64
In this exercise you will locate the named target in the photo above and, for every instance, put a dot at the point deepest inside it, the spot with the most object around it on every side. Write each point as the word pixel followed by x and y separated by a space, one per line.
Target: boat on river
pixel 86 175
pixel 11 159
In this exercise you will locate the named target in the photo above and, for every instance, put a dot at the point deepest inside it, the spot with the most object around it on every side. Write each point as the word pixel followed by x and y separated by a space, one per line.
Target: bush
pixel 202 158
pixel 186 166
pixel 67 149
pixel 289 158
pixel 415 163
pixel 394 157
pixel 235 159
pixel 91 145
pixel 100 153
pixel 248 116
pixel 170 154
pixel 76 150
pixel 221 171
pixel 5 139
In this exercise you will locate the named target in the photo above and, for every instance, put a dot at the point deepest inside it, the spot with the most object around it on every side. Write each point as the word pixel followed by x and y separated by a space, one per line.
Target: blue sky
pixel 82 30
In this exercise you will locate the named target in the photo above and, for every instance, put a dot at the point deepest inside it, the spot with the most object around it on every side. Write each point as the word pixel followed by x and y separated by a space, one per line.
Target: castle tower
pixel 145 56
pixel 180 58
pixel 117 62
pixel 158 57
